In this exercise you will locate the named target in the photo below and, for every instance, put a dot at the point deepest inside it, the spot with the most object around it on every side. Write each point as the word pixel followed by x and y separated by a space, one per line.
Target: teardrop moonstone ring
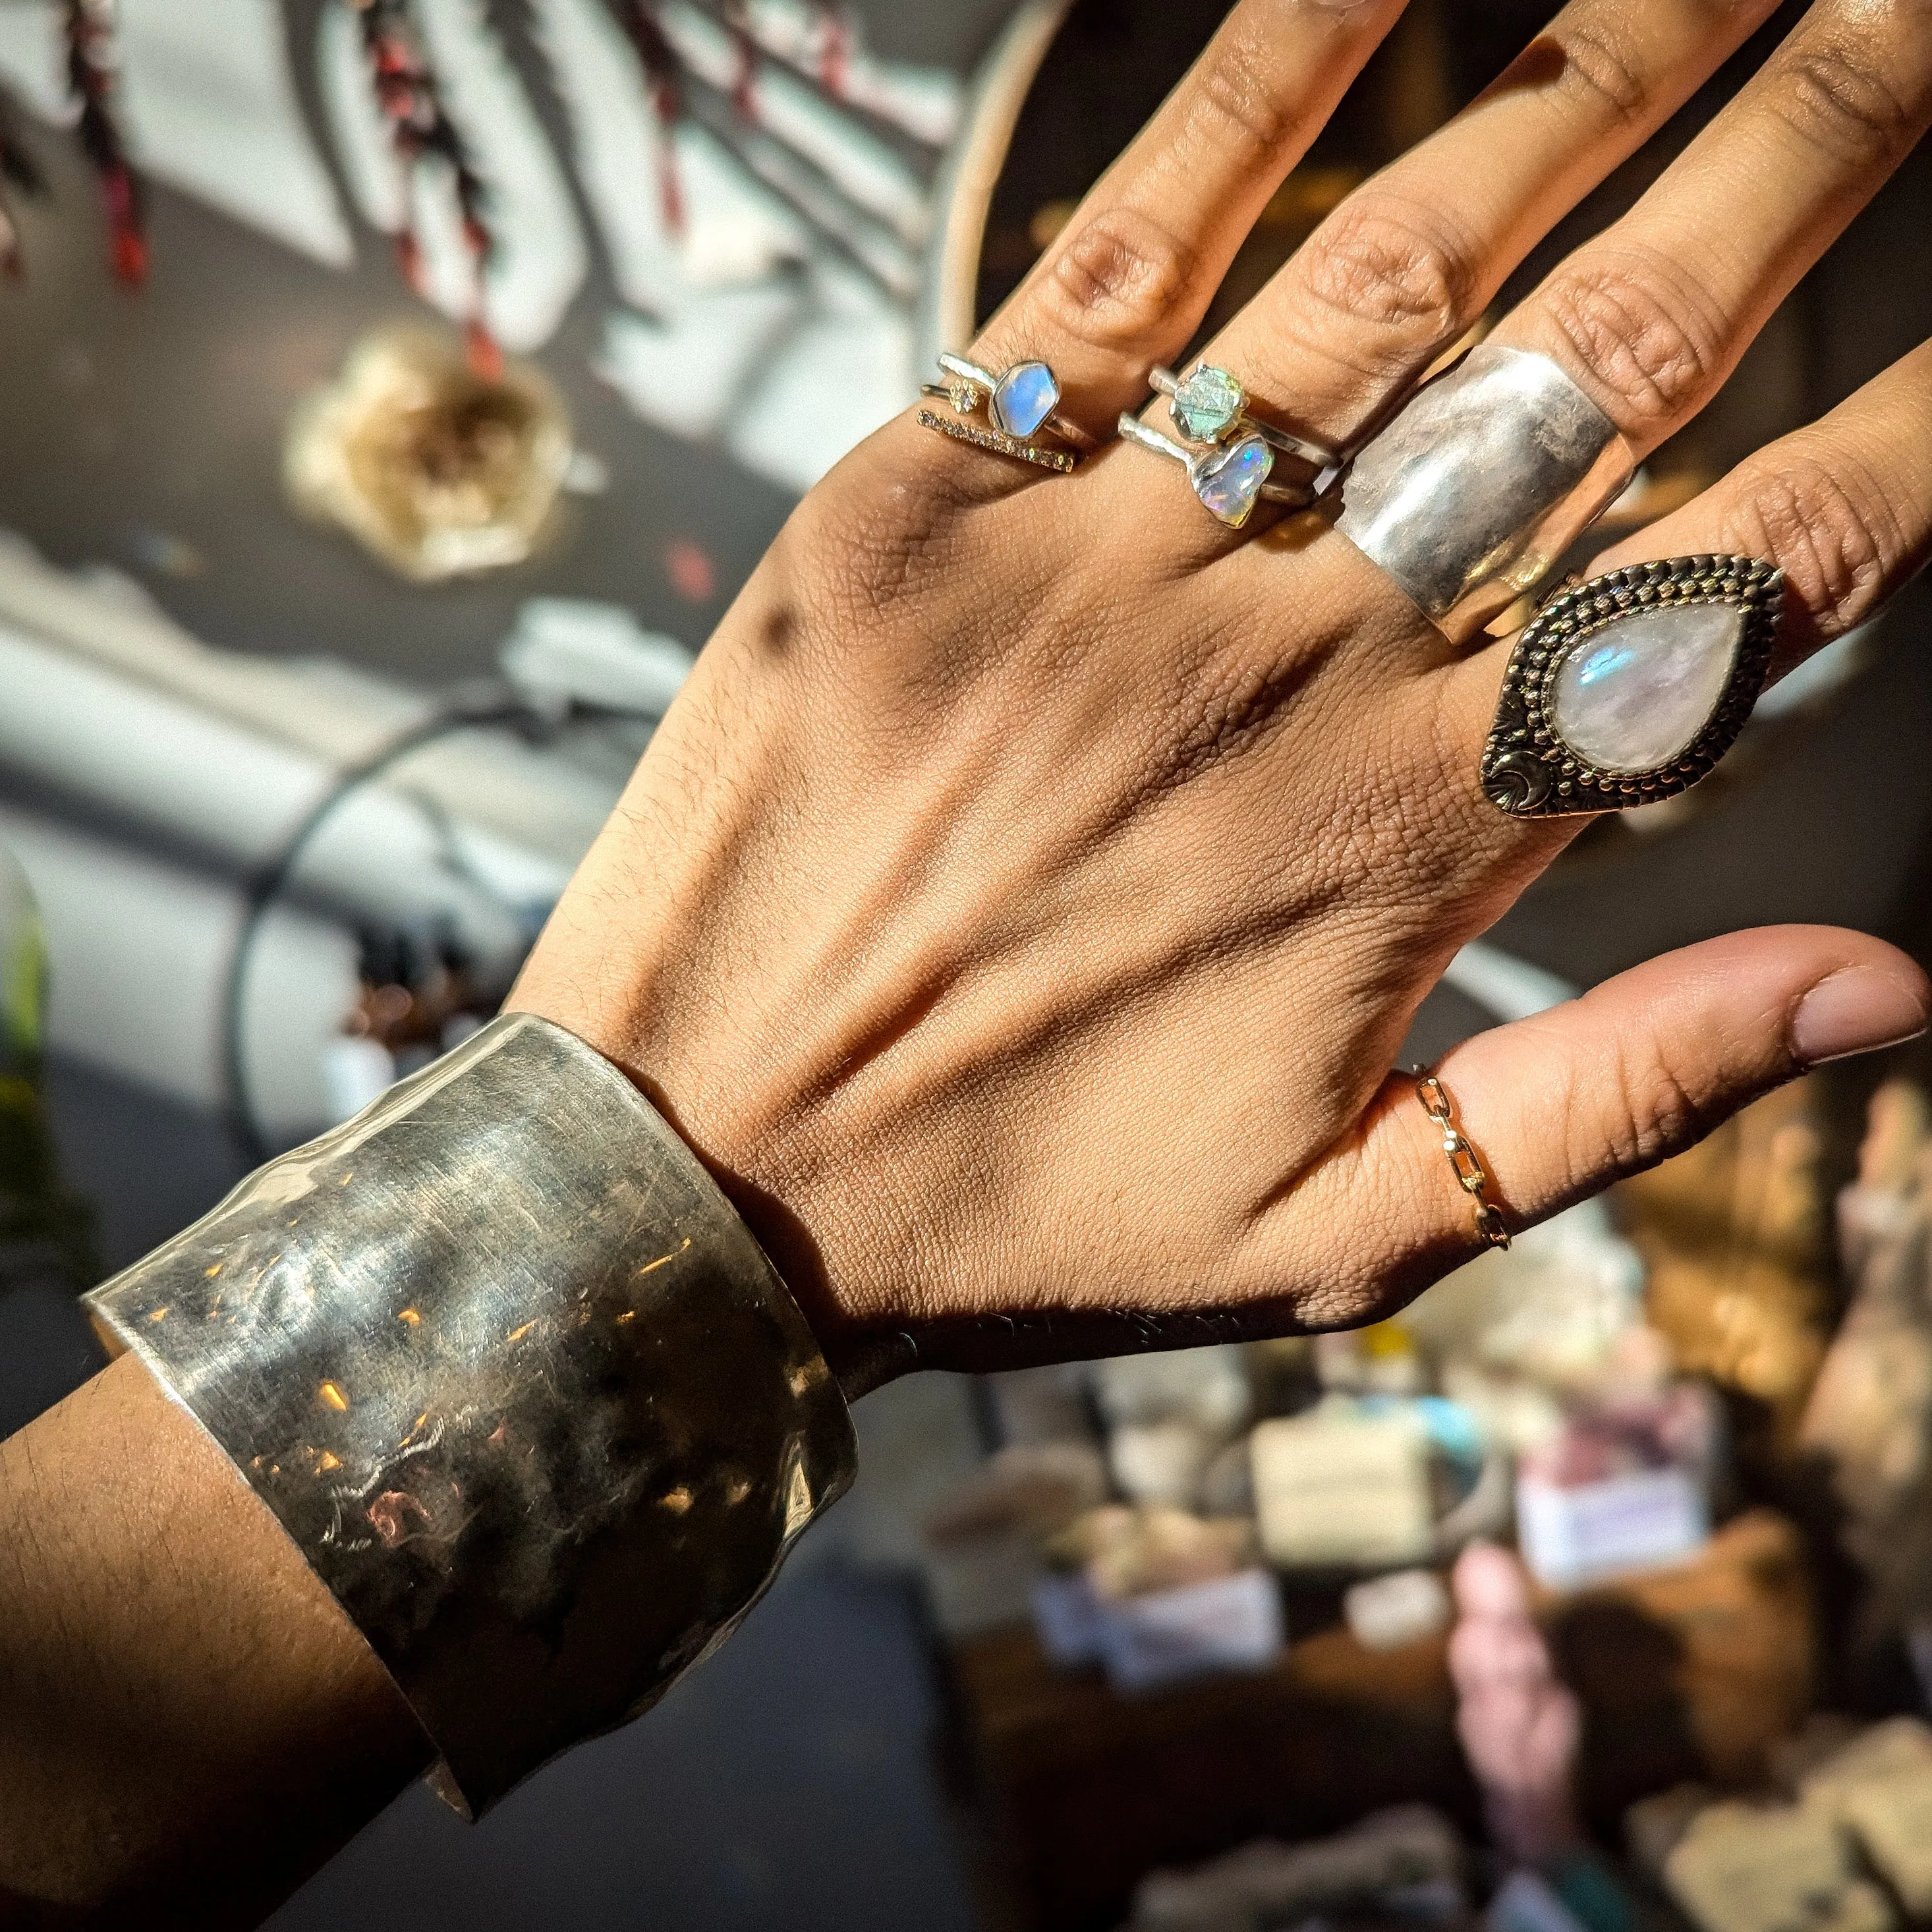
pixel 1629 689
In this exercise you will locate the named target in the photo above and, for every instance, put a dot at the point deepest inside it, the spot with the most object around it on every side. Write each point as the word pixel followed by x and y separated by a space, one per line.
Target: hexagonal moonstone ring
pixel 1020 401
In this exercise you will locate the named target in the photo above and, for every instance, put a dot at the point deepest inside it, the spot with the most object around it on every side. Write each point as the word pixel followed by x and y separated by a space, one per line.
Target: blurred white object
pixel 1525 1902
pixel 567 650
pixel 211 108
pixel 1403 1865
pixel 1207 1387
pixel 356 1073
pixel 1878 1787
pixel 1785 1868
pixel 1168 1416
pixel 1386 1612
pixel 146 782
pixel 1340 1484
pixel 1227 1624
pixel 1585 1533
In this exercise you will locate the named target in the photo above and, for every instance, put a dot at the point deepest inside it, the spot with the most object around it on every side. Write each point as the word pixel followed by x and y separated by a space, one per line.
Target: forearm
pixel 188 1724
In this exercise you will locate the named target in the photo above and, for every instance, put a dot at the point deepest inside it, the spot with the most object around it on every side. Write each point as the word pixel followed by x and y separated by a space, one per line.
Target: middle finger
pixel 1411 260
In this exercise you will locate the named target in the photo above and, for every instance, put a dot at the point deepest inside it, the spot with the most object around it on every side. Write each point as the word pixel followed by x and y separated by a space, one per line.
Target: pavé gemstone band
pixel 517 1380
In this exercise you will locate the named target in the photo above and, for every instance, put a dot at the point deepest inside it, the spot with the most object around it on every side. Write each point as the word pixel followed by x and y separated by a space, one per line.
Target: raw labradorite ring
pixel 1209 405
pixel 1020 402
pixel 1629 689
pixel 1229 478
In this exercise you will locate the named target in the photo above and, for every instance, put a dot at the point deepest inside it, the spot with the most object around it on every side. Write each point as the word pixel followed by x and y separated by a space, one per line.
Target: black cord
pixel 463 713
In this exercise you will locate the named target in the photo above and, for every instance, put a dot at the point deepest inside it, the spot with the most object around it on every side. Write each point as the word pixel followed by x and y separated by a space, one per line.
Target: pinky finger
pixel 1842 506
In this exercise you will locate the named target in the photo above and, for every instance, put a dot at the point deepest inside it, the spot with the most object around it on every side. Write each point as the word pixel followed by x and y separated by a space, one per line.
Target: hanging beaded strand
pixel 411 105
pixel 92 70
pixel 664 80
pixel 20 177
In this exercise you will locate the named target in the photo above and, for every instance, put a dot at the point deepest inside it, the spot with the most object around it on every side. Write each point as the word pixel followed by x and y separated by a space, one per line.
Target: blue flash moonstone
pixel 1636 694
pixel 1228 481
pixel 1026 396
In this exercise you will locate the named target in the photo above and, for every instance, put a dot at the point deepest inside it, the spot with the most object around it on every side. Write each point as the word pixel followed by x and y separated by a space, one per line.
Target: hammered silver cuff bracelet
pixel 517 1380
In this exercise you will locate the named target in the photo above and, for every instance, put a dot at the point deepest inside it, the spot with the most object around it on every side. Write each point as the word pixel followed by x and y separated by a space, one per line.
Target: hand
pixel 1022 907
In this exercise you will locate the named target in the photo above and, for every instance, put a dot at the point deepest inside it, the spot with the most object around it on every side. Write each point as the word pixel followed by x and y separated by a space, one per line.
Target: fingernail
pixel 1856 1011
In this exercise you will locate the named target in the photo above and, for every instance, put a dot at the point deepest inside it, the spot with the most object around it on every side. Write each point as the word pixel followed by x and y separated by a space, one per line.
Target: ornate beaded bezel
pixel 1530 770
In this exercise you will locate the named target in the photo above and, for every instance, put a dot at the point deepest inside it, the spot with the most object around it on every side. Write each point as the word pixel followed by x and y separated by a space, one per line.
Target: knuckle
pixel 1838 98
pixel 1118 281
pixel 1647 1114
pixel 1397 267
pixel 1600 72
pixel 1238 98
pixel 1827 525
pixel 1640 328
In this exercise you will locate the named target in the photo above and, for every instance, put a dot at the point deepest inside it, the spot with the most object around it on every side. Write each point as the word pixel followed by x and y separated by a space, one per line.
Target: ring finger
pixel 1410 261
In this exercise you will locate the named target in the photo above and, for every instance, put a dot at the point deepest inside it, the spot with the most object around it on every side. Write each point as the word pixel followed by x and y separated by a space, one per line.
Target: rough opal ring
pixel 1229 478
pixel 1209 405
pixel 1020 402
pixel 1629 689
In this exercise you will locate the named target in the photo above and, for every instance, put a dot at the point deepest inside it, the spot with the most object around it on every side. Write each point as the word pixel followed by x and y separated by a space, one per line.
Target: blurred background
pixel 397 393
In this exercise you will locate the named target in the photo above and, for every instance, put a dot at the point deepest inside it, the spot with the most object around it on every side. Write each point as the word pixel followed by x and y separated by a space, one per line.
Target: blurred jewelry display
pixel 1871 1411
pixel 1019 402
pixel 436 469
pixel 1630 688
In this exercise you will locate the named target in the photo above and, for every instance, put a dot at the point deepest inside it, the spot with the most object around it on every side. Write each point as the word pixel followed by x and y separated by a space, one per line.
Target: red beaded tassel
pixel 411 105
pixel 91 69
pixel 664 78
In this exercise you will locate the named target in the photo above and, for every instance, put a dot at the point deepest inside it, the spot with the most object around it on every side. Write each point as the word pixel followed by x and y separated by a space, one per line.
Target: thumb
pixel 1559 1106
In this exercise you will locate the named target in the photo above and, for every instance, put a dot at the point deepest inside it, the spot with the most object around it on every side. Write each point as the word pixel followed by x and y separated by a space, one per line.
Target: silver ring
pixel 1209 405
pixel 1481 482
pixel 1020 401
pixel 1628 688
pixel 1228 478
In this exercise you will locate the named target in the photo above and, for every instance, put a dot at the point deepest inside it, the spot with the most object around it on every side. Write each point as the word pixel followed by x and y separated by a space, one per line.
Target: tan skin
pixel 1021 906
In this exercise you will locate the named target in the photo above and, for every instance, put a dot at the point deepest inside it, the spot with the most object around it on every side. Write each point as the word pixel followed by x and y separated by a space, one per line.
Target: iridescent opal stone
pixel 1636 694
pixel 1229 480
pixel 1027 395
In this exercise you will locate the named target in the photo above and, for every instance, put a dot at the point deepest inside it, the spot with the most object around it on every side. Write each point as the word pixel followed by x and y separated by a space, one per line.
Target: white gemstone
pixel 1636 693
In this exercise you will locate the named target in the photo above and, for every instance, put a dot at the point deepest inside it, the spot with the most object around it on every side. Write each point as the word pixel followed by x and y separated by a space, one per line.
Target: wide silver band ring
pixel 1481 482
pixel 1229 478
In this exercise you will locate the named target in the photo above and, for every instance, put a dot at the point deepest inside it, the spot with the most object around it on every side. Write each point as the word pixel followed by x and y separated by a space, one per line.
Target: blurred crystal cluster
pixel 1147 1504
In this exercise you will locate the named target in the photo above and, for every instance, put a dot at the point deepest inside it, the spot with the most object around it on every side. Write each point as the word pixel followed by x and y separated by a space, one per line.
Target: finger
pixel 1411 260
pixel 1558 1106
pixel 1843 507
pixel 1651 316
pixel 1132 274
